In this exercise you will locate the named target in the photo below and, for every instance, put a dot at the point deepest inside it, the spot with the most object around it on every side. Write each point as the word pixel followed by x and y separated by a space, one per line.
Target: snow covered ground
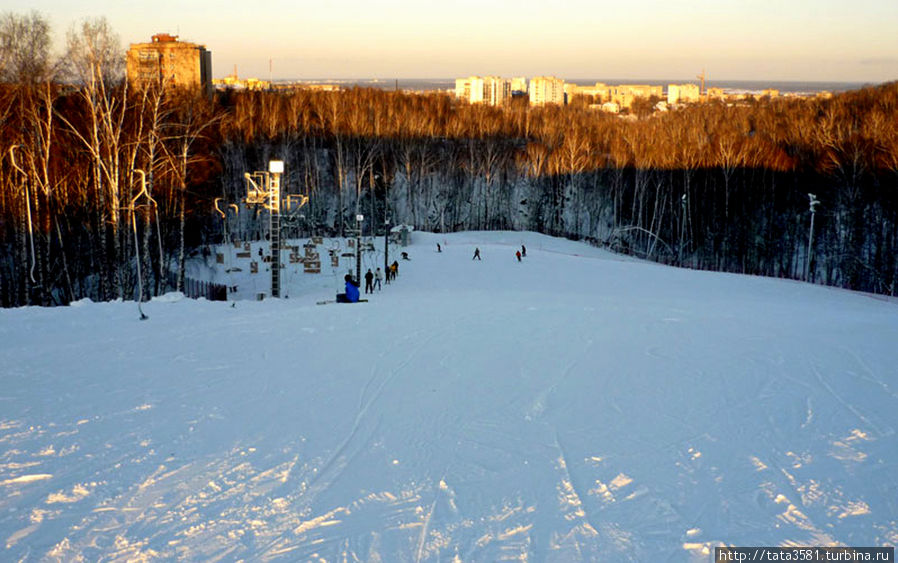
pixel 574 406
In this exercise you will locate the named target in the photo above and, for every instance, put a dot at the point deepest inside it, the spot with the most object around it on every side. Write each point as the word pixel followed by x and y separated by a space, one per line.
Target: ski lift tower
pixel 264 188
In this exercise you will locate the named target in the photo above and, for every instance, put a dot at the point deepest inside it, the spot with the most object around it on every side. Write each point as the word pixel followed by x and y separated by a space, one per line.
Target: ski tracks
pixel 384 373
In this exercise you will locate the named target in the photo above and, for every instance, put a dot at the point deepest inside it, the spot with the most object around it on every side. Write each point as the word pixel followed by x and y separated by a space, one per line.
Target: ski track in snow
pixel 573 406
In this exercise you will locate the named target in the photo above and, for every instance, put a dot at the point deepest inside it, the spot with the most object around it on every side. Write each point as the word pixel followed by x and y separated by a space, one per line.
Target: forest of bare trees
pixel 94 176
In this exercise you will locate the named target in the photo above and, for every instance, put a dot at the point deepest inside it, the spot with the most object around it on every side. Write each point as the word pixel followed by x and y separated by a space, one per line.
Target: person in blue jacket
pixel 352 291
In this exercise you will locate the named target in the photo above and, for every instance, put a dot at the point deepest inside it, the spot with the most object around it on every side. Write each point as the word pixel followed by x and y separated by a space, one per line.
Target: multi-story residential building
pixel 600 91
pixel 496 90
pixel 546 90
pixel 171 63
pixel 469 89
pixel 683 93
pixel 491 90
pixel 625 94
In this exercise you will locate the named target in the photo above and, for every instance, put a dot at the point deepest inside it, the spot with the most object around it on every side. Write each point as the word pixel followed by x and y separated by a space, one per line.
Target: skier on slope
pixel 378 277
pixel 369 281
pixel 352 291
pixel 476 254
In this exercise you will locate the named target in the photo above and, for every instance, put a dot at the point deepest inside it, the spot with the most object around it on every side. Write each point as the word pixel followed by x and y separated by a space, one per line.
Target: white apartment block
pixel 496 91
pixel 491 90
pixel 468 88
pixel 546 90
pixel 683 93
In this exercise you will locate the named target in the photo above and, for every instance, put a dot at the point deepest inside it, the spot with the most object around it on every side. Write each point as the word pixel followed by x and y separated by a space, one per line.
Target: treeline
pixel 712 186
pixel 96 179
pixel 93 175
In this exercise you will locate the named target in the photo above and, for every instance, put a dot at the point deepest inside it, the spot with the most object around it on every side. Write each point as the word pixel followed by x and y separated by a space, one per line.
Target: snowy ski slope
pixel 575 406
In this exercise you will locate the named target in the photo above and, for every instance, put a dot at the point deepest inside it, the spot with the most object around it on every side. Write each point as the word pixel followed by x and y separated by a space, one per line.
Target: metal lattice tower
pixel 265 188
pixel 274 208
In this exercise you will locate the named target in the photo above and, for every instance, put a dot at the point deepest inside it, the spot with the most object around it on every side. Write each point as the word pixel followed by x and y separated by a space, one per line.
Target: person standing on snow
pixel 518 254
pixel 476 254
pixel 523 250
pixel 378 277
pixel 369 282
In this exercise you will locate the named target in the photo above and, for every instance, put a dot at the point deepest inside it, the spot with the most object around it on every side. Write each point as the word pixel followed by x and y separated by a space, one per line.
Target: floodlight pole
pixel 682 228
pixel 276 168
pixel 386 249
pixel 358 247
pixel 270 197
pixel 143 191
pixel 814 202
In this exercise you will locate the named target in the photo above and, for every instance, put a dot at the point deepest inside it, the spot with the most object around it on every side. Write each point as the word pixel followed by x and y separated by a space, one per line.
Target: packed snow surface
pixel 575 405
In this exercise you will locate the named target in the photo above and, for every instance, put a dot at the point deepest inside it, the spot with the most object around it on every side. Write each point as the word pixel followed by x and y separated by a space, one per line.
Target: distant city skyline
pixel 825 40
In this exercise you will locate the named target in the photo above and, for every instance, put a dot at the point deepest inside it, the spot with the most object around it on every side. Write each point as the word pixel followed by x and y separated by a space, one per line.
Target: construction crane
pixel 702 77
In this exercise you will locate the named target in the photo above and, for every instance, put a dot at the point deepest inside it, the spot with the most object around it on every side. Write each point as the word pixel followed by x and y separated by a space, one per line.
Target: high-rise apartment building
pixel 171 63
pixel 546 90
pixel 491 90
pixel 469 89
pixel 496 91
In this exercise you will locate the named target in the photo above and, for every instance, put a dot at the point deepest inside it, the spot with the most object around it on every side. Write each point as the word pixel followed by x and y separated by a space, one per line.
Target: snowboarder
pixel 405 256
pixel 369 281
pixel 352 291
pixel 518 254
pixel 438 248
pixel 378 277
pixel 523 251
pixel 476 254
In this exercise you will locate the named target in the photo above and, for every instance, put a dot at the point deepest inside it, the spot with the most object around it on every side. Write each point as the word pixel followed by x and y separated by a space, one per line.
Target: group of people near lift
pixel 373 281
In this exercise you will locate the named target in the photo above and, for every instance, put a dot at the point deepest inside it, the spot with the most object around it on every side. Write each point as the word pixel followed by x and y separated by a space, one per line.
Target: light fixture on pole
pixel 387 249
pixel 358 247
pixel 682 228
pixel 133 209
pixel 813 202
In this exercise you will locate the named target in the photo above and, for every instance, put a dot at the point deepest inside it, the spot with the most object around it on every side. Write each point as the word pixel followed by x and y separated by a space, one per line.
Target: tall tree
pixel 95 62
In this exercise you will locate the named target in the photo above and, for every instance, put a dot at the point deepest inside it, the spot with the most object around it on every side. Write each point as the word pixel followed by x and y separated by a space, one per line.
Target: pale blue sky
pixel 824 40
